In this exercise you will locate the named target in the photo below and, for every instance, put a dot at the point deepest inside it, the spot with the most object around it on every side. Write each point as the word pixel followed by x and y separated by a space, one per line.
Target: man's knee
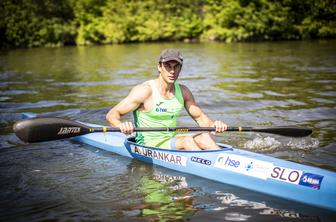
pixel 206 141
pixel 203 138
pixel 187 143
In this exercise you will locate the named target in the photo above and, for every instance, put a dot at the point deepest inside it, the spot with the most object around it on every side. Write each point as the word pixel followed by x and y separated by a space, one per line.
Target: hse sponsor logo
pixel 159 155
pixel 297 177
pixel 160 109
pixel 200 160
pixel 68 130
pixel 244 165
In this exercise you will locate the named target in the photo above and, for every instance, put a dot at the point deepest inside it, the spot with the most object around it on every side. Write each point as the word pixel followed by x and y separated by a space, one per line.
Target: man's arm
pixel 135 99
pixel 197 114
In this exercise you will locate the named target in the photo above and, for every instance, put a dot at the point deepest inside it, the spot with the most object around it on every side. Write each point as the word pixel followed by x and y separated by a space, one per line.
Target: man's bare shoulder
pixel 141 91
pixel 143 88
pixel 185 91
pixel 183 87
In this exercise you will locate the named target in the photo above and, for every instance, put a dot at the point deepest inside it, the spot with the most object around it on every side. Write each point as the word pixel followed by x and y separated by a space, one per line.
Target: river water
pixel 243 84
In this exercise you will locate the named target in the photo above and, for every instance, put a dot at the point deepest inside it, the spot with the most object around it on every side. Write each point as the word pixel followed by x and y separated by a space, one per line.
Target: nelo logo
pixel 200 160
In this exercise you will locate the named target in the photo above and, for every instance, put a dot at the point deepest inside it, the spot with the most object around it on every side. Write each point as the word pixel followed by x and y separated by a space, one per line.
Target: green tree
pixel 36 23
pixel 313 18
pixel 31 23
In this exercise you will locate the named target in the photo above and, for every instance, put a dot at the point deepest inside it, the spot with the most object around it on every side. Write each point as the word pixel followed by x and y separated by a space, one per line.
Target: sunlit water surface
pixel 244 84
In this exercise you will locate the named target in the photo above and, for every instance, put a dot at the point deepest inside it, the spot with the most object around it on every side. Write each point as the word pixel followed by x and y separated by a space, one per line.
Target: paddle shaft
pixel 284 131
pixel 156 129
pixel 46 129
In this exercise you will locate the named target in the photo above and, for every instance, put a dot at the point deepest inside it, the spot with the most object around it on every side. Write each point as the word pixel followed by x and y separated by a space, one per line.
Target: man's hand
pixel 126 127
pixel 220 126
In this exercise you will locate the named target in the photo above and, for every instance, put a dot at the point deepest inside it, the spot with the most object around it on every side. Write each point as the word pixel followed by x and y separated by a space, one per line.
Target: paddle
pixel 46 129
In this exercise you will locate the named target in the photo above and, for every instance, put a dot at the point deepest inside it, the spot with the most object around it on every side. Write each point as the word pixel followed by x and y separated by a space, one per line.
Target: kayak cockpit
pixel 131 140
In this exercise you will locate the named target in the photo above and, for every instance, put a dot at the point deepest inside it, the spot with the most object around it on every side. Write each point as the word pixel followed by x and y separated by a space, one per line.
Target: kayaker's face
pixel 170 70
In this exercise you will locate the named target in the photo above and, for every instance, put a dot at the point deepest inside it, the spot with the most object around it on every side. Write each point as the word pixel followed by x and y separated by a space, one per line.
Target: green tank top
pixel 164 113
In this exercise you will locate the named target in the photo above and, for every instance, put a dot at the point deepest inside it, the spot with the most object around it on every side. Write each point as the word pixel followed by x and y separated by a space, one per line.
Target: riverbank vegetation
pixel 34 23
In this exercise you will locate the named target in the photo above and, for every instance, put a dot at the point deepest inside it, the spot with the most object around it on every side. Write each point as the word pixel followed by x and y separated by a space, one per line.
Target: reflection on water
pixel 165 197
pixel 229 199
pixel 174 182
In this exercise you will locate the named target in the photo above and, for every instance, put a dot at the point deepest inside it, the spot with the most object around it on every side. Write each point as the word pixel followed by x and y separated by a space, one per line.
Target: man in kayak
pixel 158 103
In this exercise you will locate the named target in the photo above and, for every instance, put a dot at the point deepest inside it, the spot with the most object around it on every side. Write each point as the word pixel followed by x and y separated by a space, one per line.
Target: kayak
pixel 257 172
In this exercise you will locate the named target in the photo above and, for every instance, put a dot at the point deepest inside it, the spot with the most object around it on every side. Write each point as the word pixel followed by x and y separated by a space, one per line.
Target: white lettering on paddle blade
pixel 68 130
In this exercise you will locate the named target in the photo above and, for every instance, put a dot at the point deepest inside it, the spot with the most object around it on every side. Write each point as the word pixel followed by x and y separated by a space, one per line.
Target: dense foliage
pixel 30 23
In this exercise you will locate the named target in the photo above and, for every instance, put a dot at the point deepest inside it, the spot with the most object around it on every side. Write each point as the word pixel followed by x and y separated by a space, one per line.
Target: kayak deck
pixel 257 172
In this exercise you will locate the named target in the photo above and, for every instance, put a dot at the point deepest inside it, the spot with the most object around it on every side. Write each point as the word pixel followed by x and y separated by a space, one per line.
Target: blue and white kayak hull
pixel 253 171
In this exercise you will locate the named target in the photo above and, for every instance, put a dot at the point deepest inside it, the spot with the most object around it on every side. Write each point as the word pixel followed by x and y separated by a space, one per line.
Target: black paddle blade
pixel 45 129
pixel 286 131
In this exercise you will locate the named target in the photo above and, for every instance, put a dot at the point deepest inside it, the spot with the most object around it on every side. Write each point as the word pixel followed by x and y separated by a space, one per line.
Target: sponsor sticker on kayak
pixel 286 175
pixel 200 160
pixel 160 155
pixel 244 165
pixel 297 177
pixel 311 180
